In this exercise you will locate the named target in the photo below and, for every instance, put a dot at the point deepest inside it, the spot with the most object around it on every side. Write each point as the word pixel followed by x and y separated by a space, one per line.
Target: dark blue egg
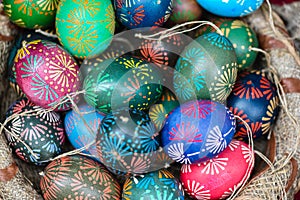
pixel 143 13
pixel 81 128
pixel 197 130
pixel 254 99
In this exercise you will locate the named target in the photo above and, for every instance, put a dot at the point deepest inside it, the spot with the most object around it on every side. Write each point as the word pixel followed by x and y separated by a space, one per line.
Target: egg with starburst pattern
pixel 254 99
pixel 197 131
pixel 41 131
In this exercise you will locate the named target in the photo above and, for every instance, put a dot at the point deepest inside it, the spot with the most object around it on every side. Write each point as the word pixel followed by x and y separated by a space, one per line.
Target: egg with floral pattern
pixel 219 177
pixel 81 127
pixel 197 131
pixel 32 14
pixel 41 130
pixel 154 185
pixel 85 28
pixel 231 8
pixel 255 100
pixel 124 82
pixel 46 73
pixel 242 37
pixel 143 13
pixel 206 69
pixel 78 177
pixel 23 38
pixel 125 134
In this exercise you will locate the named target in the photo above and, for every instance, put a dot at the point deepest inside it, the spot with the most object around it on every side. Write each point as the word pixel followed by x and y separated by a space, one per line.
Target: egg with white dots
pixel 42 131
pixel 47 74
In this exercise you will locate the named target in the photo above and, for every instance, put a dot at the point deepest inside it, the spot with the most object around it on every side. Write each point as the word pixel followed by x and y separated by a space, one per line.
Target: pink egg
pixel 46 73
pixel 219 177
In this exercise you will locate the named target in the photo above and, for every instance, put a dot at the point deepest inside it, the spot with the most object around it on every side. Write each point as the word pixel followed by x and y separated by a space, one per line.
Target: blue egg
pixel 143 13
pixel 81 128
pixel 231 8
pixel 255 100
pixel 197 131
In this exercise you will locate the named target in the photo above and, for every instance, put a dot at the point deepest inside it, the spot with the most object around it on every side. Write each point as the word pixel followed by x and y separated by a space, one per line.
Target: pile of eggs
pixel 136 106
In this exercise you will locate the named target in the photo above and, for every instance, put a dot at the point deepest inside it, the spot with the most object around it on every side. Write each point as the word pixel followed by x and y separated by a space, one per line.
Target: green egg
pixel 85 28
pixel 124 82
pixel 206 69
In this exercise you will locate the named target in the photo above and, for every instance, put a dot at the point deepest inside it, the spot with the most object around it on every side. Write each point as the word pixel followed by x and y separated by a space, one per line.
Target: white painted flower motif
pixel 214 166
pixel 176 152
pixel 197 190
pixel 231 190
pixel 248 155
pixel 234 145
pixel 215 142
pixel 186 169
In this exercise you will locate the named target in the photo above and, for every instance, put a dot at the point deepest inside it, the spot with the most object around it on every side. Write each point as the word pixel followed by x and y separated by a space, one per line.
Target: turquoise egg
pixel 85 27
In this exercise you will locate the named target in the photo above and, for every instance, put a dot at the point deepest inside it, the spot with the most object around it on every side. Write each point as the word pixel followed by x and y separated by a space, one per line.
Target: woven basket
pixel 279 180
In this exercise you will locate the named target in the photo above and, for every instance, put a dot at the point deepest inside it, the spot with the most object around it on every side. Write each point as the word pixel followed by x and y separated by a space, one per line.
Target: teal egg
pixel 85 28
pixel 206 69
pixel 124 82
pixel 155 185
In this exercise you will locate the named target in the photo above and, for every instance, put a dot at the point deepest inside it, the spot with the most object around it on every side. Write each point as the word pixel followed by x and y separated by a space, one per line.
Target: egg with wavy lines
pixel 143 13
pixel 42 131
pixel 231 8
pixel 197 130
pixel 47 73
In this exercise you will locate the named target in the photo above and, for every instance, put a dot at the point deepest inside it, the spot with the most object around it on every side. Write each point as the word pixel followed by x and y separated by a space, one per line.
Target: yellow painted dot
pixel 46 78
pixel 56 87
pixel 244 61
pixel 69 90
pixel 234 45
pixel 247 55
pixel 51 83
pixel 250 40
pixel 62 90
pixel 243 47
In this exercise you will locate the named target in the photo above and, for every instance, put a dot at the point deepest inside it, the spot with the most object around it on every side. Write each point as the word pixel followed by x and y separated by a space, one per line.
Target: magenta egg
pixel 219 177
pixel 46 73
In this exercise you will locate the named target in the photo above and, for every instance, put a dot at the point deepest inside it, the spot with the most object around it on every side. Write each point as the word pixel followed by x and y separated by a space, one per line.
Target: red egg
pixel 46 73
pixel 219 177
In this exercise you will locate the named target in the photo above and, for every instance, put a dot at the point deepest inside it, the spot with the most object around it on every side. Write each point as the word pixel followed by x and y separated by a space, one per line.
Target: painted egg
pixel 185 11
pixel 241 36
pixel 124 134
pixel 78 177
pixel 23 38
pixel 42 131
pixel 219 177
pixel 144 13
pixel 206 69
pixel 159 111
pixel 81 127
pixel 123 82
pixel 231 8
pixel 85 28
pixel 155 185
pixel 255 100
pixel 32 14
pixel 46 73
pixel 197 130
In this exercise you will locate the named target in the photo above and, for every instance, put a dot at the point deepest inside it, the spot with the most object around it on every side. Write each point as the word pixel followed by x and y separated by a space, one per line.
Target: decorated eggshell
pixel 155 185
pixel 124 134
pixel 159 111
pixel 185 11
pixel 242 37
pixel 23 38
pixel 123 82
pixel 78 177
pixel 81 128
pixel 85 28
pixel 197 131
pixel 219 177
pixel 46 73
pixel 255 100
pixel 231 8
pixel 42 131
pixel 206 69
pixel 32 14
pixel 145 13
